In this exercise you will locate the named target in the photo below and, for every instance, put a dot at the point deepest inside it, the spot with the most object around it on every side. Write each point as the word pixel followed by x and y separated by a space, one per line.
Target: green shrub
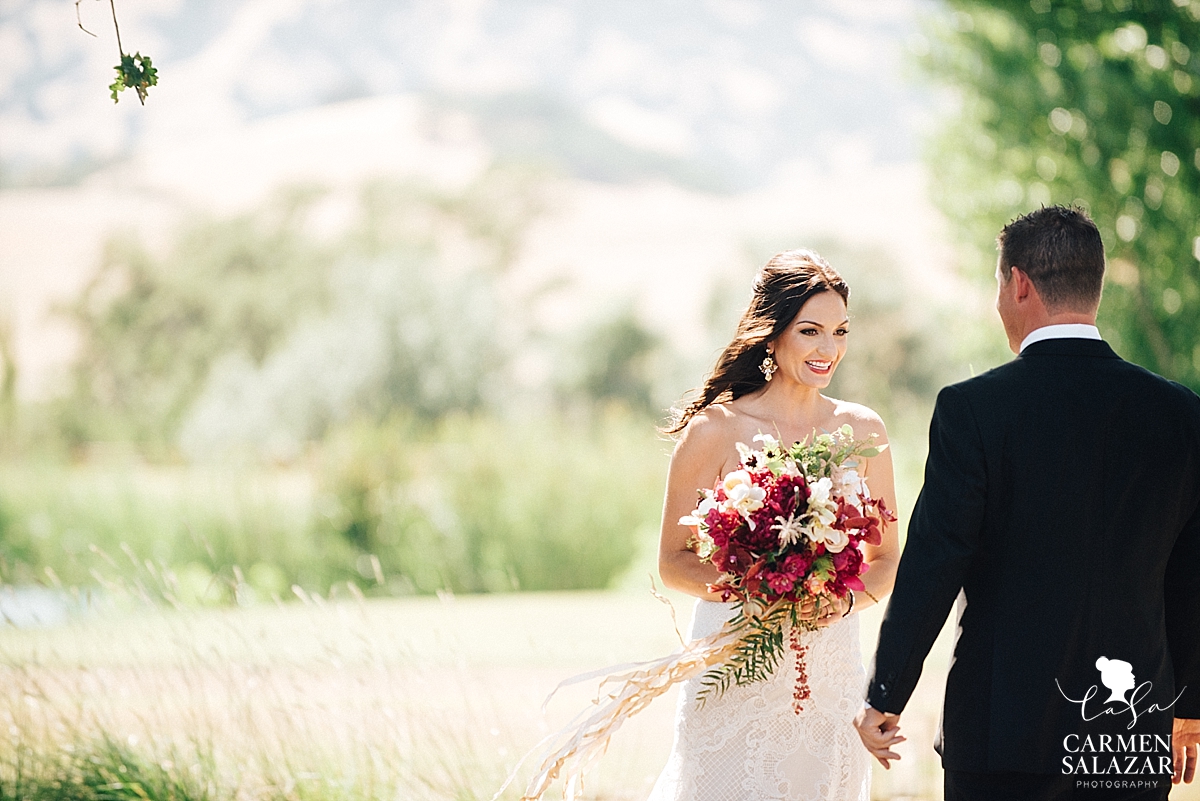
pixel 487 504
pixel 472 504
pixel 60 523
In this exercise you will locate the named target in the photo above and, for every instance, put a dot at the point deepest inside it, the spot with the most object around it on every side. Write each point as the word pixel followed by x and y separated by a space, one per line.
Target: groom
pixel 1061 507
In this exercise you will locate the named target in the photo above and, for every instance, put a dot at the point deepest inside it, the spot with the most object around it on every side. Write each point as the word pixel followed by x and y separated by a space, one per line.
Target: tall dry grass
pixel 334 696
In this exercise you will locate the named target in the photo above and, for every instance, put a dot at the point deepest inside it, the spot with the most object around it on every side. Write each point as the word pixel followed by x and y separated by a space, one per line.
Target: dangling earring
pixel 768 366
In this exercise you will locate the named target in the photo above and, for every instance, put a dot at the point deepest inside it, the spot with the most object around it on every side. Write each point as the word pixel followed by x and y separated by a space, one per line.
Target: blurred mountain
pixel 676 140
pixel 713 95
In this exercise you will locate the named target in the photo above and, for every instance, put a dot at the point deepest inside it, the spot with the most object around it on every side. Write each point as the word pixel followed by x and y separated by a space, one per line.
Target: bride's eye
pixel 841 332
pixel 809 332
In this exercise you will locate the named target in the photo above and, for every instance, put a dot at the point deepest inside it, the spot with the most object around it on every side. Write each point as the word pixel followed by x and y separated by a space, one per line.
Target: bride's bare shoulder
pixel 863 419
pixel 711 421
pixel 711 429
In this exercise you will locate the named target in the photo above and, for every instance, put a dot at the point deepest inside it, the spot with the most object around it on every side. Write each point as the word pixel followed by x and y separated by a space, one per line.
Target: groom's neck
pixel 1035 321
pixel 1061 318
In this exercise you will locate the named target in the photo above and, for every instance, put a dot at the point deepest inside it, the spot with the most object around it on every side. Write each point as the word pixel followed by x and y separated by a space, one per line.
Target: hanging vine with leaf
pixel 133 72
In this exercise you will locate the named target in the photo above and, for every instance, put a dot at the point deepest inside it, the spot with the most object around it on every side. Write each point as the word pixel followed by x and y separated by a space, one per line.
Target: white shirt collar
pixel 1062 331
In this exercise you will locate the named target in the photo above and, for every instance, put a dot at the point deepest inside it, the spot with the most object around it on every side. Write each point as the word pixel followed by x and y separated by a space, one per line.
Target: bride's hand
pixel 879 732
pixel 830 611
pixel 833 610
pixel 822 611
pixel 808 609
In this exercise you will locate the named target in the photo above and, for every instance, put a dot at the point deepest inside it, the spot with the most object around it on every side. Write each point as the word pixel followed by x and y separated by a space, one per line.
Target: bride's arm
pixel 695 464
pixel 884 557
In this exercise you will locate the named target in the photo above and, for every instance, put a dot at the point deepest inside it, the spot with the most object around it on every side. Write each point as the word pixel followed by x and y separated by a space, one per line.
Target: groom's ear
pixel 1024 285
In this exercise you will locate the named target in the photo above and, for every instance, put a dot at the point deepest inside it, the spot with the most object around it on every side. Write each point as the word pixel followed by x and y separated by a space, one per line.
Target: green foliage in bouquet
pixel 827 452
pixel 757 655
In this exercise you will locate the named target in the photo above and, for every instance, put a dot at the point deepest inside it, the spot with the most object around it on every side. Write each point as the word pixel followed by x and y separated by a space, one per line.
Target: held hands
pixel 879 731
pixel 1185 739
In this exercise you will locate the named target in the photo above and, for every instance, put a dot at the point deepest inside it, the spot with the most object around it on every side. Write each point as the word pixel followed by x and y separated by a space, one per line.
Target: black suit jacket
pixel 1062 498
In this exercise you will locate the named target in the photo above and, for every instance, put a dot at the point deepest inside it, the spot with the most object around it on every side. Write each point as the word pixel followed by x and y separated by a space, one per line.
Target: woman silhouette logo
pixel 1116 675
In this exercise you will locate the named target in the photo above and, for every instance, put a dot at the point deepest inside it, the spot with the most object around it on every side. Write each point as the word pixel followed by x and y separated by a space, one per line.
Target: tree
pixel 1093 102
pixel 249 332
pixel 614 361
pixel 152 328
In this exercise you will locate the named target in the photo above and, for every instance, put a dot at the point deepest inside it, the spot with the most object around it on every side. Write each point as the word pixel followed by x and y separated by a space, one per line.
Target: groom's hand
pixel 879 731
pixel 1185 739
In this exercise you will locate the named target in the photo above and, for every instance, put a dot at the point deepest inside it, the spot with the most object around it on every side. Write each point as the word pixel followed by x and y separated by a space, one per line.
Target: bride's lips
pixel 819 367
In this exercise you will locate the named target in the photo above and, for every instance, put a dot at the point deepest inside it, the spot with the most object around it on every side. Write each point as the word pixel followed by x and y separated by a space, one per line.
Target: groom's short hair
pixel 1059 248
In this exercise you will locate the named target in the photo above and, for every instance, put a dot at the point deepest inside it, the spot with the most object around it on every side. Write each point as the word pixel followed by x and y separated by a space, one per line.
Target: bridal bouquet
pixel 786 529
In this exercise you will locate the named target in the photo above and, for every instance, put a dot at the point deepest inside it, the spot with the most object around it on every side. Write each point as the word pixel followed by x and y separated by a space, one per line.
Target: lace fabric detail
pixel 750 745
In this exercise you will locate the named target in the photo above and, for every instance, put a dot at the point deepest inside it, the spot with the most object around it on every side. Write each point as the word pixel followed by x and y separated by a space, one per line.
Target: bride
pixel 749 744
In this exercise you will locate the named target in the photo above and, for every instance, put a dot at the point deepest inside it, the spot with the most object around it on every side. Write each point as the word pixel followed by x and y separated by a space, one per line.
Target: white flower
pixel 705 547
pixel 821 506
pixel 851 486
pixel 767 440
pixel 789 530
pixel 837 474
pixel 696 518
pixel 742 494
pixel 774 457
pixel 833 539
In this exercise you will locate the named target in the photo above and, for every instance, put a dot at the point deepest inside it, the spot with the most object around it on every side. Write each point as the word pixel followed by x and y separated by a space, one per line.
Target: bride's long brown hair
pixel 781 288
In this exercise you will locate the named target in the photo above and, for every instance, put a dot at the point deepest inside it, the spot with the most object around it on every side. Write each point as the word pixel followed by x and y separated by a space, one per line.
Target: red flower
pixel 760 537
pixel 849 565
pixel 727 591
pixel 779 582
pixel 722 526
pixel 796 565
pixel 732 559
pixel 885 513
pixel 848 561
pixel 858 523
pixel 870 533
pixel 789 492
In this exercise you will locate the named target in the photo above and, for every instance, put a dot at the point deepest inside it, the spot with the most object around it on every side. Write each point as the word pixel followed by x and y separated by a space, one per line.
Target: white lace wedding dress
pixel 749 744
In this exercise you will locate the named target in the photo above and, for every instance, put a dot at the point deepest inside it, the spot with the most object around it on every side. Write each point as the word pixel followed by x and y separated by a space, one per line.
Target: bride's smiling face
pixel 809 349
